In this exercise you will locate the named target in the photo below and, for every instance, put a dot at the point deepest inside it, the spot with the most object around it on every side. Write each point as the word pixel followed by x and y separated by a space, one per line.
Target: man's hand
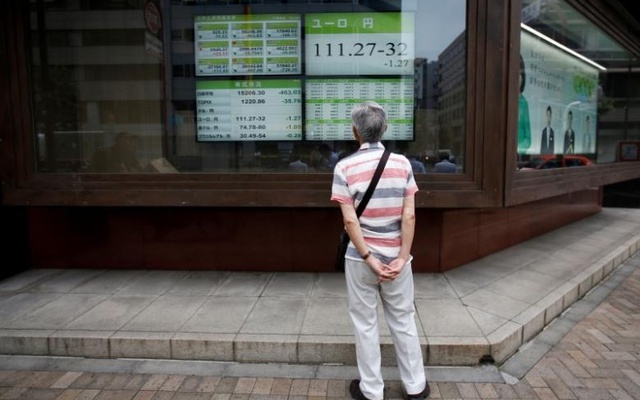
pixel 392 270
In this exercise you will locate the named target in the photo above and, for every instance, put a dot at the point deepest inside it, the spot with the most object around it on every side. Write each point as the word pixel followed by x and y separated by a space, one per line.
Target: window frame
pixel 489 178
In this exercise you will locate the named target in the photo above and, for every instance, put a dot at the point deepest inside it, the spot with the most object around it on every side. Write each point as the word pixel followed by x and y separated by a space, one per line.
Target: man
pixel 120 157
pixel 586 144
pixel 378 259
pixel 417 165
pixel 444 165
pixel 297 165
pixel 547 141
pixel 569 136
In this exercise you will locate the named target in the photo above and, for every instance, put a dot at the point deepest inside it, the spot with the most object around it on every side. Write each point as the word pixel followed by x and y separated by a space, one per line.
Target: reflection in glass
pixel 134 87
pixel 573 73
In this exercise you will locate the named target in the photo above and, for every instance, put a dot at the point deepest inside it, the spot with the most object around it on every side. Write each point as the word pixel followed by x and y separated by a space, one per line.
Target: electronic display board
pixel 262 44
pixel 249 110
pixel 328 105
pixel 375 43
pixel 378 47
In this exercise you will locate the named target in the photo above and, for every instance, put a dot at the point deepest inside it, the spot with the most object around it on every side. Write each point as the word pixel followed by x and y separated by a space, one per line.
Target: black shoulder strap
pixel 373 183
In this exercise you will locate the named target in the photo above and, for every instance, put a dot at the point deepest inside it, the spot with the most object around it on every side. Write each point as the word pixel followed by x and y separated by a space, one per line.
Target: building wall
pixel 294 240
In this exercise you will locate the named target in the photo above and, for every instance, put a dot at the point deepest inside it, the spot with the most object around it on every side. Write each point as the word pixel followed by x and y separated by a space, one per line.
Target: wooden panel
pixel 495 231
pixel 427 242
pixel 499 228
pixel 175 238
pixel 260 239
pixel 459 238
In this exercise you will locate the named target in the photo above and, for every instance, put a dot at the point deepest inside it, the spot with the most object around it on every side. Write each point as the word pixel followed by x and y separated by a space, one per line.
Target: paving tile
pixel 495 303
pixel 116 395
pixel 59 312
pixel 276 316
pixel 172 383
pixel 69 394
pixel 442 317
pixel 300 387
pixel 220 315
pixel 524 391
pixel 467 390
pixel 290 284
pixel 191 396
pixel 13 393
pixel 448 390
pixel 527 286
pixel 154 382
pixel 109 282
pixel 327 316
pixel 166 314
pixel 152 283
pixel 40 394
pixel 208 384
pixel 144 395
pixel 136 382
pixel 190 384
pixel 111 314
pixel 17 305
pixel 243 284
pixel 244 385
pixel 65 281
pixel 27 278
pixel 433 286
pixel 66 380
pixel 281 386
pixel 226 385
pixel 505 391
pixel 559 388
pixel 318 388
pixel 88 394
pixel 336 388
pixel 199 283
pixel 331 285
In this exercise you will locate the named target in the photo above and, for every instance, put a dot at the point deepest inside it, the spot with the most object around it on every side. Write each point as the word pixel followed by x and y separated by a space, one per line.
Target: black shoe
pixel 354 390
pixel 420 396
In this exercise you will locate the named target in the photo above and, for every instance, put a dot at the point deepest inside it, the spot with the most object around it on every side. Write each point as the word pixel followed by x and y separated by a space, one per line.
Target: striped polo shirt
pixel 381 219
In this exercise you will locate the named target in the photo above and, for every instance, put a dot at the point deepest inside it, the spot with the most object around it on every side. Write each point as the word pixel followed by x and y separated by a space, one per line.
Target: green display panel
pixel 328 106
pixel 249 110
pixel 265 44
pixel 360 43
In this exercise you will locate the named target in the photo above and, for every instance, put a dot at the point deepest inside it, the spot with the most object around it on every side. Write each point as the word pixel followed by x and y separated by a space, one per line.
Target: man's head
pixel 369 121
pixel 548 115
pixel 569 118
pixel 125 141
pixel 443 155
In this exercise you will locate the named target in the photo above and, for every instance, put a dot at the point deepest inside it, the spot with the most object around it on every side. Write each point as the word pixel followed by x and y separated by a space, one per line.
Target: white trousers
pixel 399 310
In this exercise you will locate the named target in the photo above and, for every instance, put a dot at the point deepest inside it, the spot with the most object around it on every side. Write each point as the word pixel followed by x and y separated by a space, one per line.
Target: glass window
pixel 244 86
pixel 576 86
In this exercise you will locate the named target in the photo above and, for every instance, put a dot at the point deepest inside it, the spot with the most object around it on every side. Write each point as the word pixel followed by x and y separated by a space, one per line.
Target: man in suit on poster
pixel 569 136
pixel 586 143
pixel 547 140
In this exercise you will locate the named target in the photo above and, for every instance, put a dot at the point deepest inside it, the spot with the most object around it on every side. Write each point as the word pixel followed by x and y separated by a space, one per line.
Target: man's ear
pixel 385 128
pixel 356 136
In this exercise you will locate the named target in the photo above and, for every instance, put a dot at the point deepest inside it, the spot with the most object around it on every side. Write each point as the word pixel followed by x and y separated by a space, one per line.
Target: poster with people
pixel 558 99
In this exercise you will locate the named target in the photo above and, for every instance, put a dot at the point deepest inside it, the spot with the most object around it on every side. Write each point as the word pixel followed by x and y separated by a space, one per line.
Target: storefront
pixel 201 134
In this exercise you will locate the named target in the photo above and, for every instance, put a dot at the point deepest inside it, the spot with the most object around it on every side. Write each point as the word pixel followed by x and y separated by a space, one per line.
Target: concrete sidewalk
pixel 485 309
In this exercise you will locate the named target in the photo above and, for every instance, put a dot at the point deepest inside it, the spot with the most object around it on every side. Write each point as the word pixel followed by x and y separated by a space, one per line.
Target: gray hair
pixel 370 121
